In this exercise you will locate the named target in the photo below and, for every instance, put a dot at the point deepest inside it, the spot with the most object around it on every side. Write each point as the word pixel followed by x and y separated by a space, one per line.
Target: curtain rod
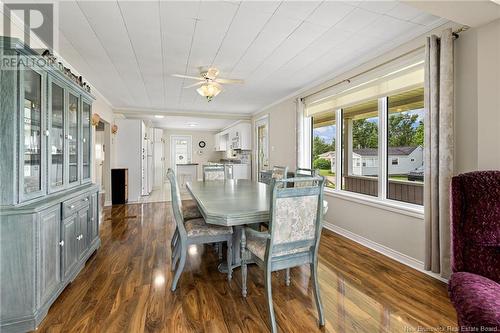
pixel 348 80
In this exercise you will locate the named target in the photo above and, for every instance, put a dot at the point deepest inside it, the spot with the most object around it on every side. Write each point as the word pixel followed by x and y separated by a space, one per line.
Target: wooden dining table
pixel 234 202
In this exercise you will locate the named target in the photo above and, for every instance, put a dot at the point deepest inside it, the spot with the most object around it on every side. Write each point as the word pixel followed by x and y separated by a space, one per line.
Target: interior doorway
pixel 180 150
pixel 262 145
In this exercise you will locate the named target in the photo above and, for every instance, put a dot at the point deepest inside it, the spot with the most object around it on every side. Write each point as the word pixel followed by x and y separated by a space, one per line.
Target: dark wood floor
pixel 125 288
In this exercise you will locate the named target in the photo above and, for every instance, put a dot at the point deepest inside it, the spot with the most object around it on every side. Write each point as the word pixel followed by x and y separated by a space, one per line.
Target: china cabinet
pixel 49 219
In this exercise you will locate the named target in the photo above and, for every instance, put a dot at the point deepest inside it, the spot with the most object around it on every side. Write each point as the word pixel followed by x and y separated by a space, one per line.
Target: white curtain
pixel 438 150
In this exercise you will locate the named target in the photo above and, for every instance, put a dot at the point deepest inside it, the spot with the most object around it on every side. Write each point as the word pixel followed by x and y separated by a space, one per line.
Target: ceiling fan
pixel 209 84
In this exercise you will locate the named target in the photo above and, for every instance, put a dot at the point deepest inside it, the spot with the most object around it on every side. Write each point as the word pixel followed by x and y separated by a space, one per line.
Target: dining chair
pixel 304 172
pixel 279 172
pixel 189 208
pixel 291 240
pixel 194 231
pixel 214 172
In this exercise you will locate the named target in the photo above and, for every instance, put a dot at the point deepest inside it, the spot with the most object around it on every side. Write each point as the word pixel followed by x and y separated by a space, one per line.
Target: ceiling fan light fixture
pixel 209 90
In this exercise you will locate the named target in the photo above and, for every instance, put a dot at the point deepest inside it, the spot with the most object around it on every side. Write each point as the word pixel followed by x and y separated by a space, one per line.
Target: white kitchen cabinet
pixel 241 171
pixel 238 136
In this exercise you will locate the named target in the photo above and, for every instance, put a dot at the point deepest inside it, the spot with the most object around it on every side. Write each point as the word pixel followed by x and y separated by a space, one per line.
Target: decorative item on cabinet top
pixel 114 128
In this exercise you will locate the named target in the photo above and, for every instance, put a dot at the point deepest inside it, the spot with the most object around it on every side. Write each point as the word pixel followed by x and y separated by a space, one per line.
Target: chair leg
pixel 175 255
pixel 180 267
pixel 243 245
pixel 229 259
pixel 219 250
pixel 270 300
pixel 319 305
pixel 287 277
pixel 174 240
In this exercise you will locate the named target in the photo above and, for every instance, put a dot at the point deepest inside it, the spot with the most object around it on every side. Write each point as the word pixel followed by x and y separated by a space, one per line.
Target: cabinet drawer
pixel 72 206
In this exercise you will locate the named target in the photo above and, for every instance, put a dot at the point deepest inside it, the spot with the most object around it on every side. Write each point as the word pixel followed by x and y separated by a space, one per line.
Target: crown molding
pixel 141 112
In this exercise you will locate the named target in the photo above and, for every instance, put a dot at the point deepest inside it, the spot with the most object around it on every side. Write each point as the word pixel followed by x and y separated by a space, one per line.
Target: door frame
pixel 172 149
pixel 264 120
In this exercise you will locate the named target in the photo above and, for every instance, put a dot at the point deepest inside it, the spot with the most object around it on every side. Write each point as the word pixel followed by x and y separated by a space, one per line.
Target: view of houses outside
pixel 405 142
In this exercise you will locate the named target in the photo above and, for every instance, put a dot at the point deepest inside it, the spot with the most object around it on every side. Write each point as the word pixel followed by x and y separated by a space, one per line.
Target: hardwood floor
pixel 125 288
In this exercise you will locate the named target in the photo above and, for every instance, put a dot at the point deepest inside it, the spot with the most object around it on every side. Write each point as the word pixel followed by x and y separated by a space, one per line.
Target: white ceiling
pixel 129 49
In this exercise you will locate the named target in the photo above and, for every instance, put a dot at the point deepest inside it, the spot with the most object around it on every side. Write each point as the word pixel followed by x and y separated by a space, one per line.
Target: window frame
pixel 380 201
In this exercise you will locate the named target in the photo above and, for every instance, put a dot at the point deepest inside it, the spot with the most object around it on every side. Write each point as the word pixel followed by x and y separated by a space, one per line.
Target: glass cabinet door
pixel 72 136
pixel 56 137
pixel 31 172
pixel 86 140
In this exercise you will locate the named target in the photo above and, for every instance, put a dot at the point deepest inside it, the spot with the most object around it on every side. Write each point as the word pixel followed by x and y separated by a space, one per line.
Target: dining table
pixel 235 203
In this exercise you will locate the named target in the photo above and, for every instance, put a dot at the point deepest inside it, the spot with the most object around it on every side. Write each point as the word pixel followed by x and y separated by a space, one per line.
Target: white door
pixel 180 150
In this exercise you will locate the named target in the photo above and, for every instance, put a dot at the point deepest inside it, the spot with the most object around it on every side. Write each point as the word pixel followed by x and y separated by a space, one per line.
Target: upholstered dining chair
pixel 279 172
pixel 214 172
pixel 194 231
pixel 189 208
pixel 303 172
pixel 292 239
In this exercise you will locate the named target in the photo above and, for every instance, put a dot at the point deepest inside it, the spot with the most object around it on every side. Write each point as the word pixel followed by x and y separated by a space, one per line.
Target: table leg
pixel 236 250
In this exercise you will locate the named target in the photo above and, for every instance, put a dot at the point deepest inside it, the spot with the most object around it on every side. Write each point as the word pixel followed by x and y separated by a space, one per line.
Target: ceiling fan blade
pixel 194 85
pixel 229 81
pixel 188 77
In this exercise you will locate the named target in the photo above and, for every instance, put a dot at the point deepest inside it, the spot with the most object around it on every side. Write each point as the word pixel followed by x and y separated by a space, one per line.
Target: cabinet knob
pixel 72 206
pixel 84 140
pixel 47 133
pixel 61 243
pixel 86 199
pixel 92 219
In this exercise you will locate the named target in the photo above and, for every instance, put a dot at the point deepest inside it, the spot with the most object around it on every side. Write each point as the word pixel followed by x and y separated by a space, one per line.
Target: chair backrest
pixel 303 172
pixel 475 223
pixel 296 215
pixel 176 201
pixel 214 172
pixel 279 172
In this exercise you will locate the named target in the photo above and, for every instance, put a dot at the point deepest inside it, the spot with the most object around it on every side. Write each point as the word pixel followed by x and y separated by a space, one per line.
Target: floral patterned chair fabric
pixel 293 236
pixel 190 210
pixel 279 172
pixel 213 172
pixel 474 285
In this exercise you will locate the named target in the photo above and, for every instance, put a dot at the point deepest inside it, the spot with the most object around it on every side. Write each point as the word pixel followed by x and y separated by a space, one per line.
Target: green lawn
pixel 326 172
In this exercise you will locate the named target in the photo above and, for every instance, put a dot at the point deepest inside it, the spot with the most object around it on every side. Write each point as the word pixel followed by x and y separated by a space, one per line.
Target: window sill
pixel 411 210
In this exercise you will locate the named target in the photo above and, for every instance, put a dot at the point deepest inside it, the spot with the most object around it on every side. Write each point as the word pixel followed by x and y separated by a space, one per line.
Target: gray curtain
pixel 438 150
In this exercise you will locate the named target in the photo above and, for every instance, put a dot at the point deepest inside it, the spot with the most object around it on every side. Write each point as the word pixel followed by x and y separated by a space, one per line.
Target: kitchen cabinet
pixel 238 137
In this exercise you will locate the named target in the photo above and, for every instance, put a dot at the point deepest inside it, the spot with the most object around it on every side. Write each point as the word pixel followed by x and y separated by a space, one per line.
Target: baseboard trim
pixel 382 249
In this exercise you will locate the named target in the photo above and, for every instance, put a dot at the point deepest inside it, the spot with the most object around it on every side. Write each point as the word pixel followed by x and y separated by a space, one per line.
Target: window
pixel 324 131
pixel 360 143
pixel 376 149
pixel 405 138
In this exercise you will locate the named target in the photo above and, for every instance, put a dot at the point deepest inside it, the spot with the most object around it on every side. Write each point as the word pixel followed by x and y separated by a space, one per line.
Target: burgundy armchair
pixel 474 285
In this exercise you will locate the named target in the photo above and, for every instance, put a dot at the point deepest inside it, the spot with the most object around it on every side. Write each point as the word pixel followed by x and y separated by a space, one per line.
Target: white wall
pixel 127 154
pixel 477 99
pixel 282 133
pixel 208 153
pixel 477 135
